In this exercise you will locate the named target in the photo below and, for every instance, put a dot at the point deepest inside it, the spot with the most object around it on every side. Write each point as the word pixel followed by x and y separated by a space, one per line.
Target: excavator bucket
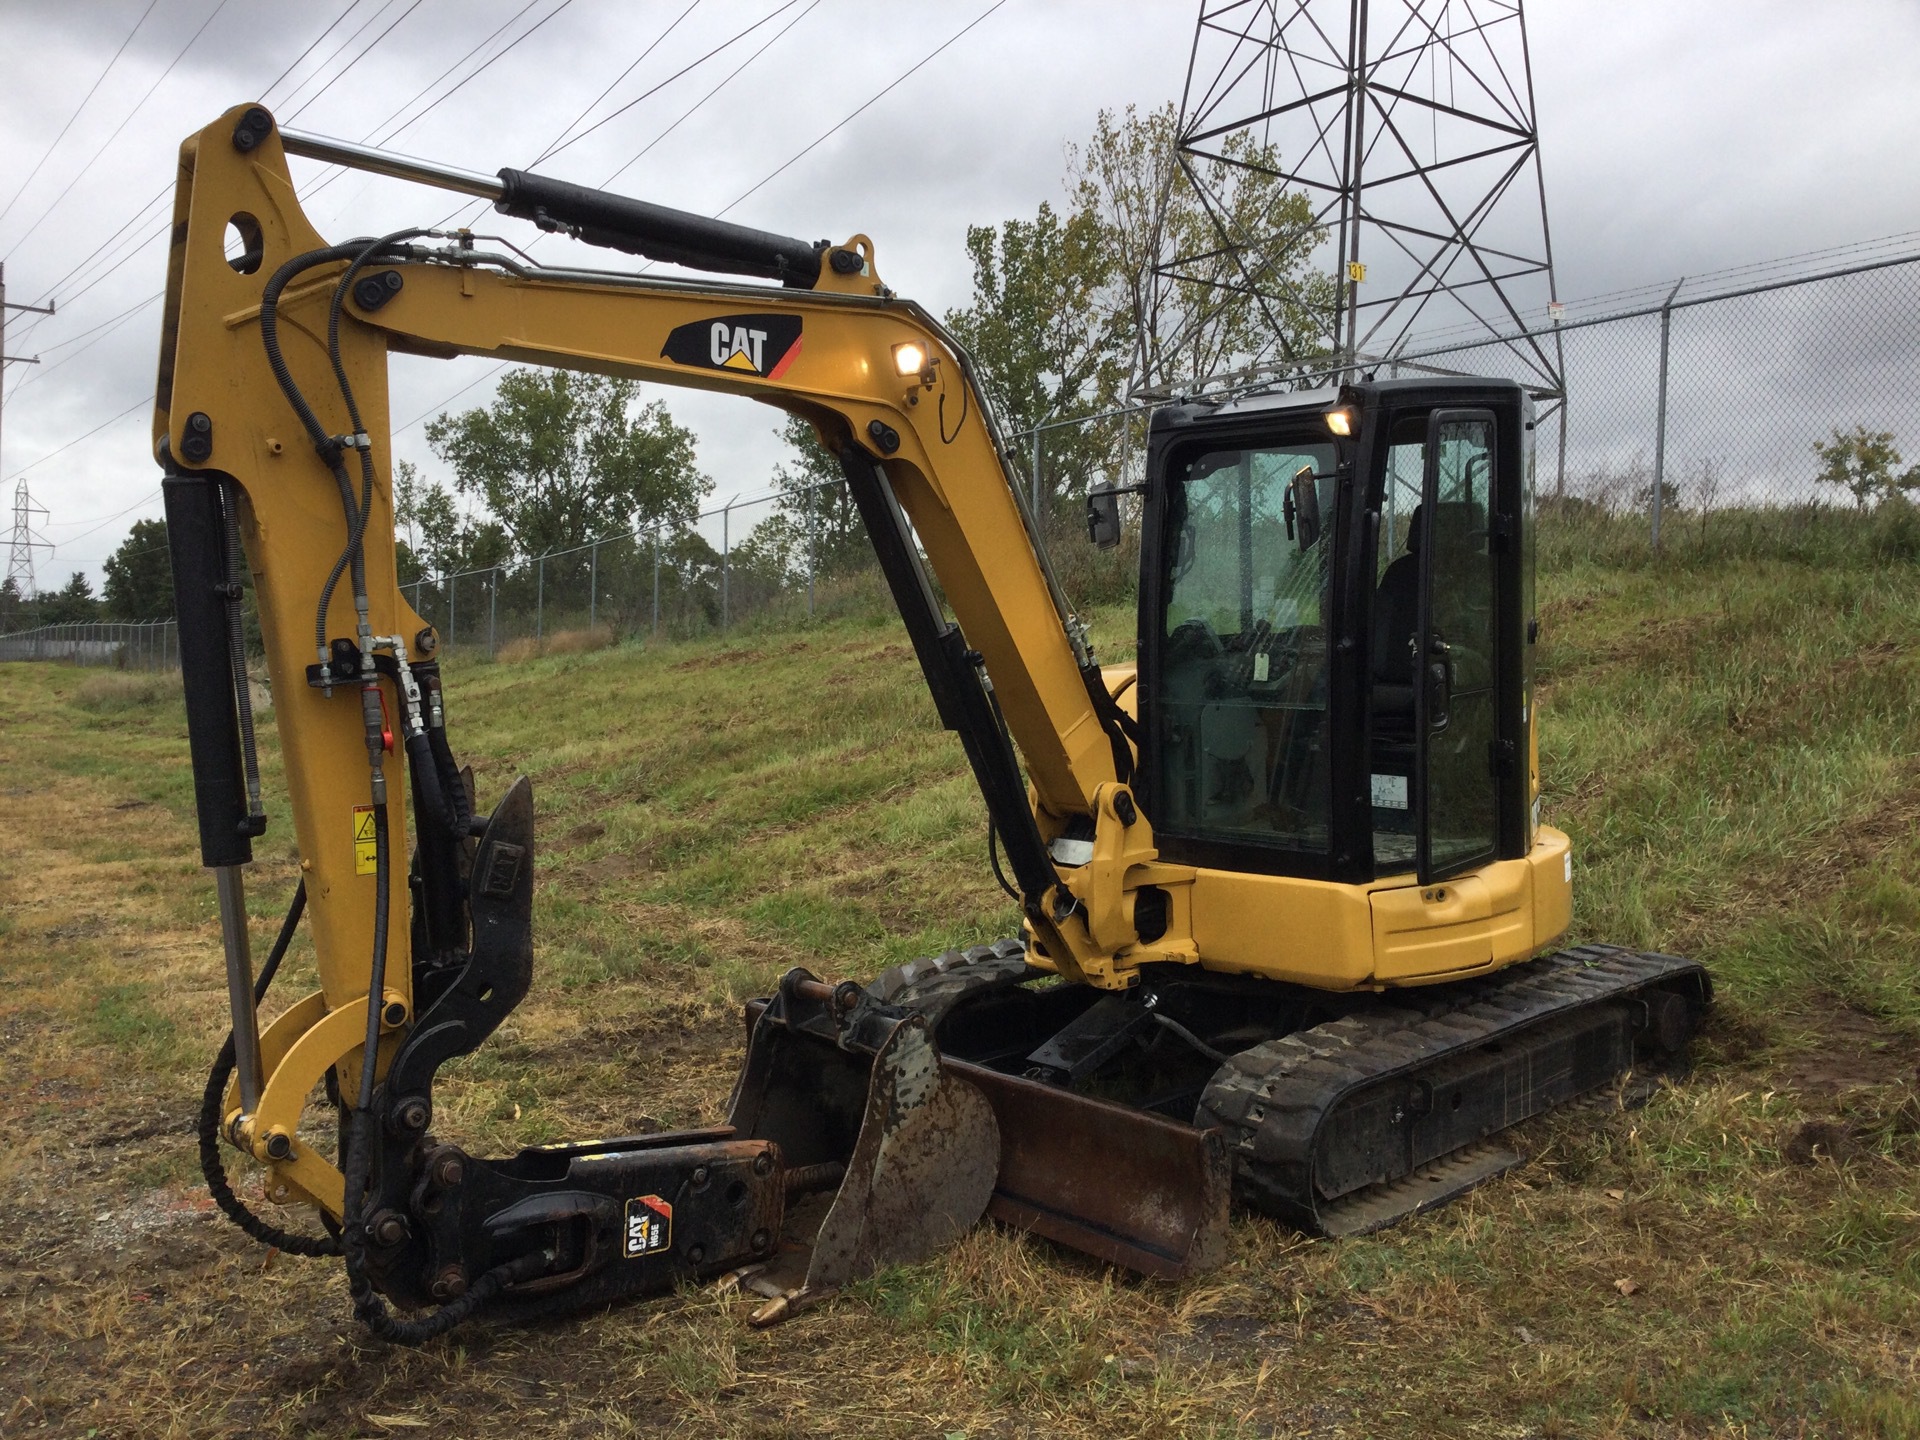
pixel 887 1156
pixel 857 1096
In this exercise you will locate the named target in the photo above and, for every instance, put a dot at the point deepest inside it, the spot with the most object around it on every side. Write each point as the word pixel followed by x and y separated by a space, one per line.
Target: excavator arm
pixel 271 422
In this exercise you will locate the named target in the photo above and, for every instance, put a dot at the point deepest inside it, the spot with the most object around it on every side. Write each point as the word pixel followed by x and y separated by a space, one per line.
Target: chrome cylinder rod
pixel 385 162
pixel 246 1023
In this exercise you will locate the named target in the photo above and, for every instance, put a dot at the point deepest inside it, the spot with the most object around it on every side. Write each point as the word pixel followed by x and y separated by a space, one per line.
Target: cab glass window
pixel 1241 715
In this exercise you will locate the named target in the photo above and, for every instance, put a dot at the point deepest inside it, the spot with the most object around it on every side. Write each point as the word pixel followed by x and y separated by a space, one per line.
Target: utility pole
pixel 23 541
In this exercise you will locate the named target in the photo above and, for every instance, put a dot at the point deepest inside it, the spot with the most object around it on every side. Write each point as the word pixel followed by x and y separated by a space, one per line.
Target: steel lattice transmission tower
pixel 1409 125
pixel 23 541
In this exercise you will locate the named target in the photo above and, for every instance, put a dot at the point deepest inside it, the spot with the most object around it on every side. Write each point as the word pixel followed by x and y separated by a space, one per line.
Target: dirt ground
pixel 1739 1257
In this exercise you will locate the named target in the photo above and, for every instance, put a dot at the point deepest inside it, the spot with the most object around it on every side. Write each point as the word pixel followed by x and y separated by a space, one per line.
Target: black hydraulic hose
pixel 212 1103
pixel 1218 1057
pixel 423 765
pixel 324 443
pixel 452 784
pixel 357 515
pixel 270 330
pixel 993 859
pixel 371 1310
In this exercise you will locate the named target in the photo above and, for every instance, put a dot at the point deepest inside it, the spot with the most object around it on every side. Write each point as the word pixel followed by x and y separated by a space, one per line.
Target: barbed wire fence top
pixel 1708 394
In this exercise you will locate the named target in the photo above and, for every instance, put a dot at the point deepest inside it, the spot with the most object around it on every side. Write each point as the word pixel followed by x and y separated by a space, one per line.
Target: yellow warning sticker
pixel 365 850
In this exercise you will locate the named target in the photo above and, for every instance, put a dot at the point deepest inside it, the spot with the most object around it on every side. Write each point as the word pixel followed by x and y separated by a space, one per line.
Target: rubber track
pixel 934 984
pixel 1275 1100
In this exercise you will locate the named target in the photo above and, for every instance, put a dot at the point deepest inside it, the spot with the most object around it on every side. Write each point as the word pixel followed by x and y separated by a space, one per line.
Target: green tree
pixel 71 602
pixel 14 613
pixel 816 516
pixel 1139 286
pixel 560 459
pixel 1044 343
pixel 1182 268
pixel 439 539
pixel 1863 462
pixel 139 575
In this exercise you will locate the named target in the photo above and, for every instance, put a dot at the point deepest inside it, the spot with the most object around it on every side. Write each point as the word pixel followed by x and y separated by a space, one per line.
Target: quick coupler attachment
pixel 848 1147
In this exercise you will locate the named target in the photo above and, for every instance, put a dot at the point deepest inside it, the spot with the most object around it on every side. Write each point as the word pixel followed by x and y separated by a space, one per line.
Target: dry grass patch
pixel 125 690
pixel 561 642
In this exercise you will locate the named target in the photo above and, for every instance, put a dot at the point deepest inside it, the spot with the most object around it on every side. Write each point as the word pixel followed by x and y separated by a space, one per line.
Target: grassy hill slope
pixel 1731 741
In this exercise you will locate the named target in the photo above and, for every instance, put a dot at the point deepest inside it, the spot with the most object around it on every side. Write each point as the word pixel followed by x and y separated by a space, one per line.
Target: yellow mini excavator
pixel 1287 898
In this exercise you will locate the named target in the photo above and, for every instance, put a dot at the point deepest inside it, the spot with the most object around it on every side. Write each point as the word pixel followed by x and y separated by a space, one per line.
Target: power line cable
pixel 94 158
pixel 161 195
pixel 771 41
pixel 561 142
pixel 787 164
pixel 321 67
pixel 101 519
pixel 126 225
pixel 424 414
pixel 268 90
pixel 166 190
pixel 113 420
pixel 799 154
pixel 632 65
pixel 146 499
pixel 690 65
pixel 106 327
pixel 307 104
pixel 552 148
pixel 461 61
pixel 98 81
pixel 375 136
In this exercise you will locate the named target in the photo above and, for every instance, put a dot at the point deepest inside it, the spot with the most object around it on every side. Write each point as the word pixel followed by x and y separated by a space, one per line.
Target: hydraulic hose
pixel 452 784
pixel 430 784
pixel 213 1102
pixel 327 446
pixel 361 1135
pixel 357 515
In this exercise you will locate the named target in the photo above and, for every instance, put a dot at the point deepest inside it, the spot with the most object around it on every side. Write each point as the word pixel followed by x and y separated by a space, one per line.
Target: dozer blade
pixel 1119 1184
pixel 854 1095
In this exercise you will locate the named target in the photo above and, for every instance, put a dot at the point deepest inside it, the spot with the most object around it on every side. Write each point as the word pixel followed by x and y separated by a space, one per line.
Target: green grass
pixel 1731 737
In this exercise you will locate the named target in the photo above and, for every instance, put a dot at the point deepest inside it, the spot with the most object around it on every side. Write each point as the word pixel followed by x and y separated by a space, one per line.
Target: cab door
pixel 1455 697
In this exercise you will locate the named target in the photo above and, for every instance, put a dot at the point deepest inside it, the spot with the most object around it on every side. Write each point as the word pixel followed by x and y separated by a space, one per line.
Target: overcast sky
pixel 1676 138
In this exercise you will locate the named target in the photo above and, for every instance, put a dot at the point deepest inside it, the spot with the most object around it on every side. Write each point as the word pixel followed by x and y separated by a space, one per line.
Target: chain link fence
pixel 766 560
pixel 1705 398
pixel 116 644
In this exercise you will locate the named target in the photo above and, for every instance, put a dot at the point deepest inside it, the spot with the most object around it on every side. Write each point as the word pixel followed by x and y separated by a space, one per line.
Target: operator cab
pixel 1335 631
